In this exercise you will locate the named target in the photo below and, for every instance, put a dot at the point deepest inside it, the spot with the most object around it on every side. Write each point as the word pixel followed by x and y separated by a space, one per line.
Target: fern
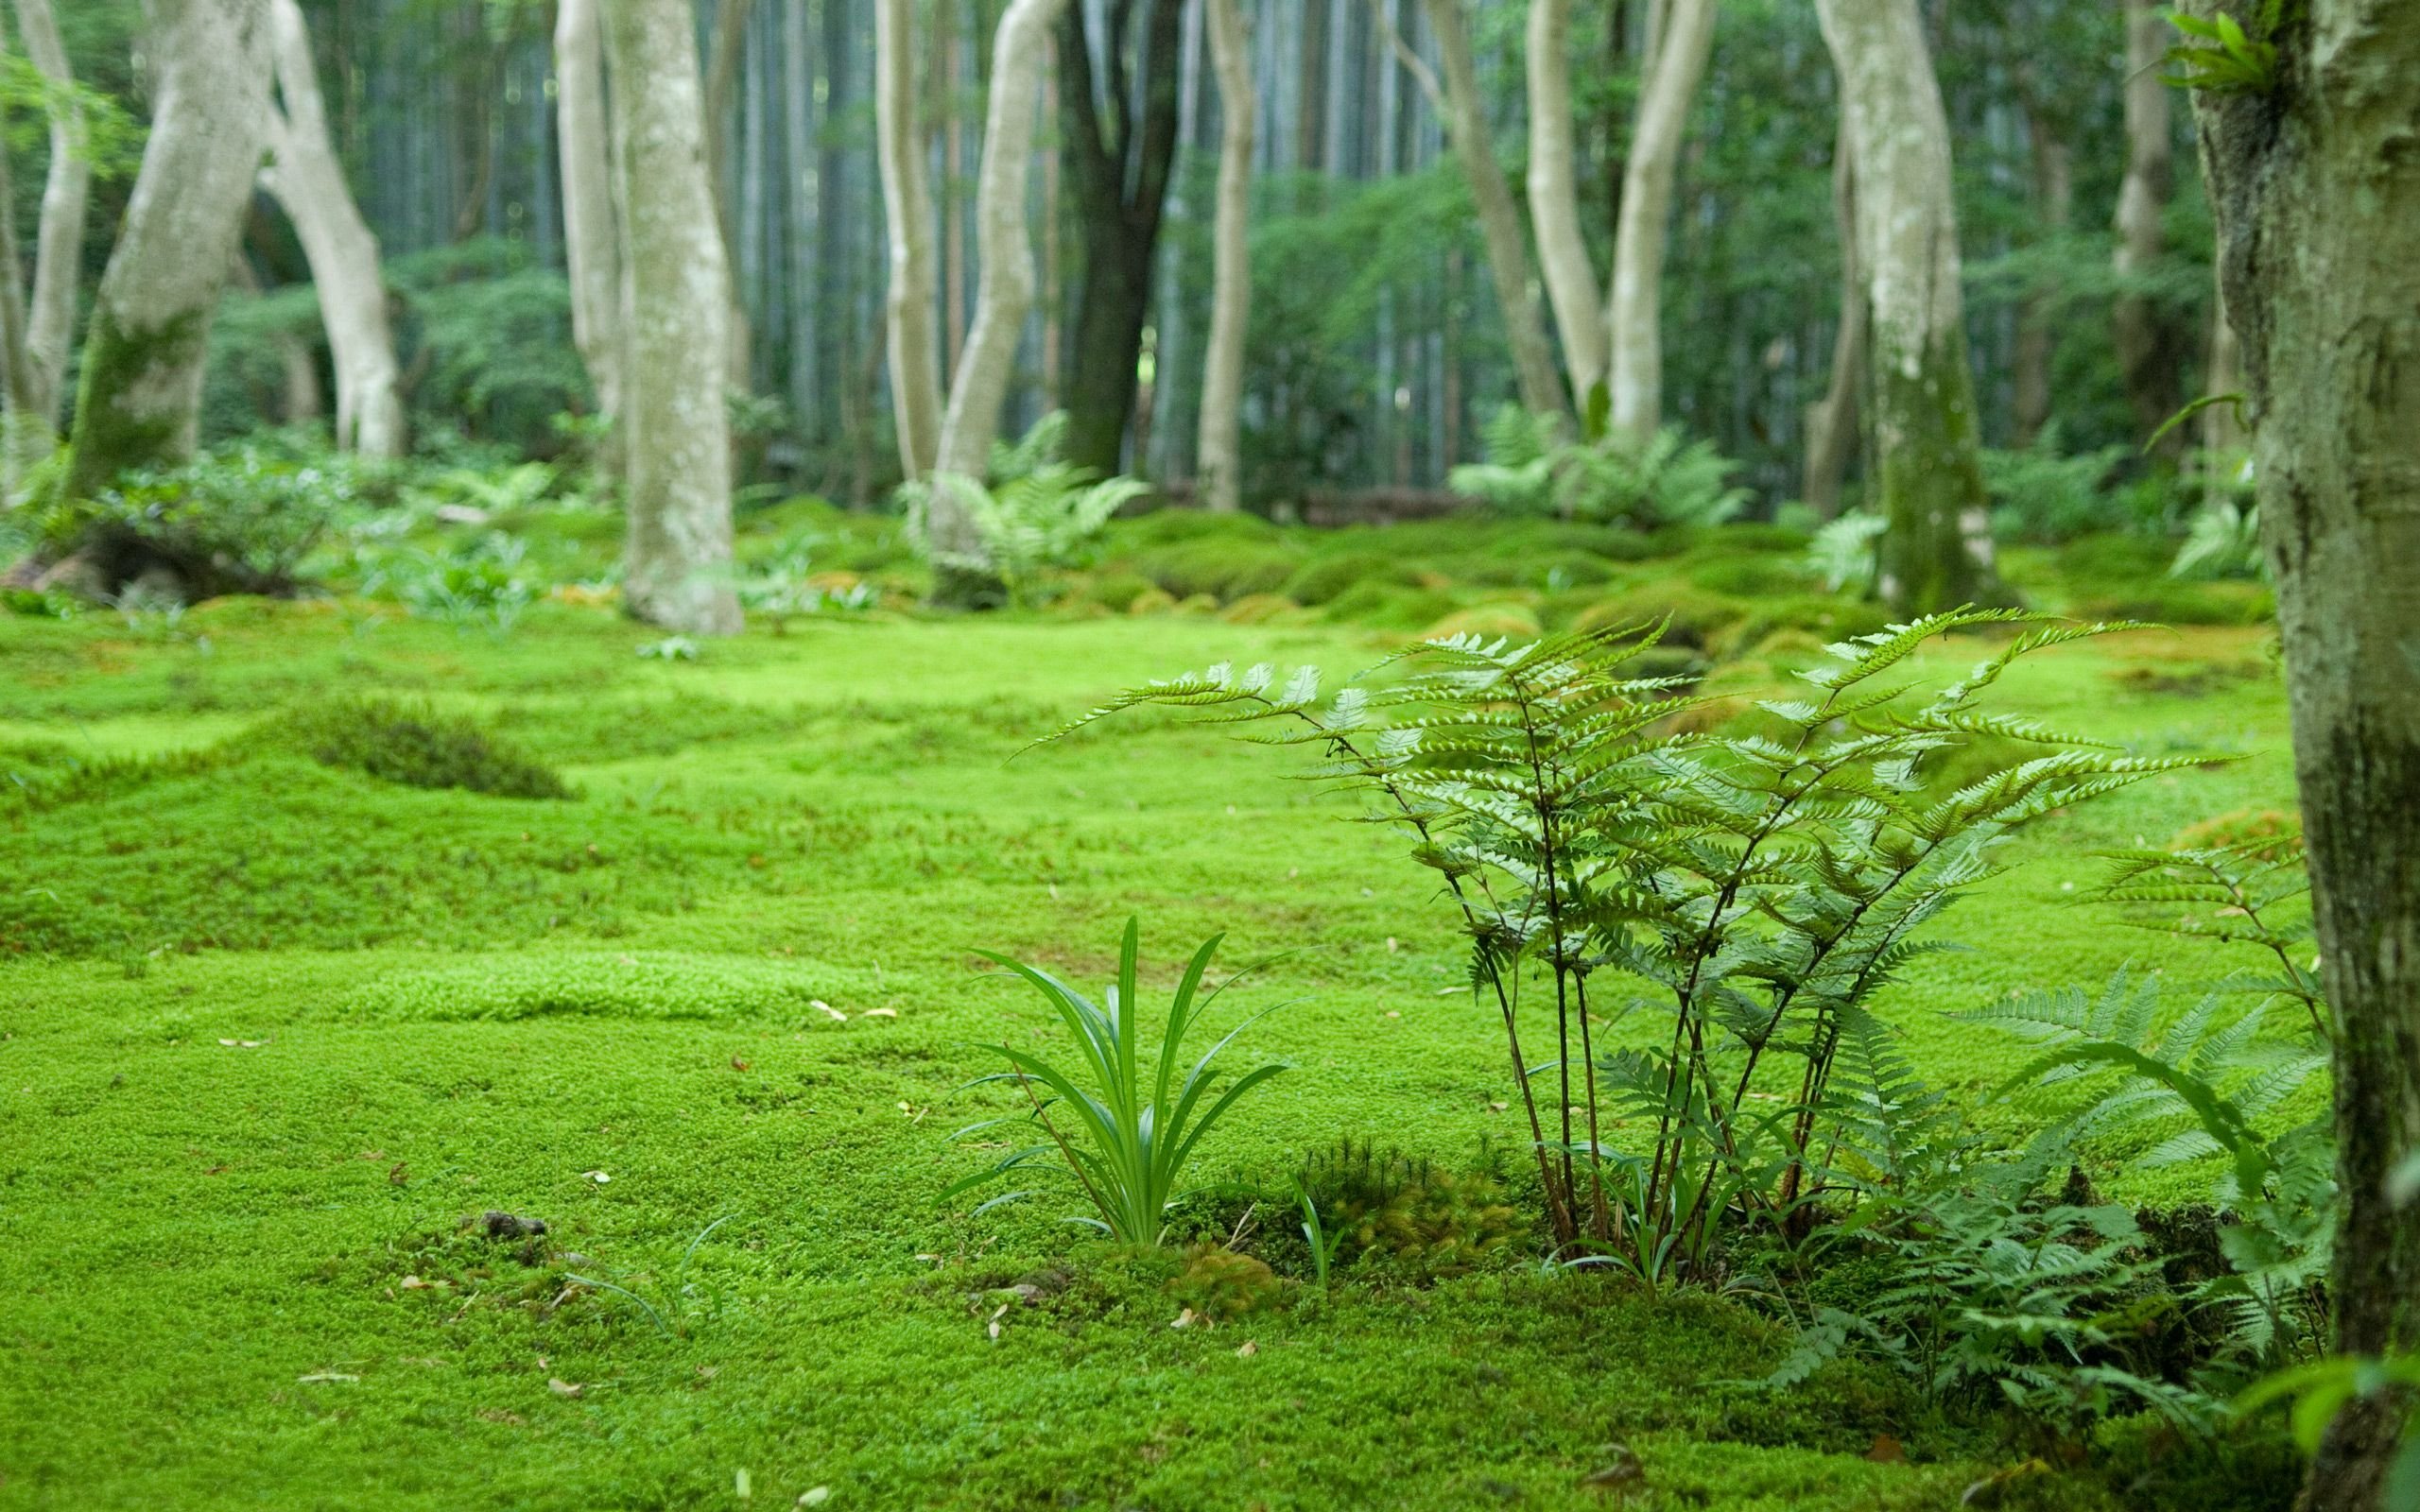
pixel 1036 522
pixel 1754 891
pixel 1535 467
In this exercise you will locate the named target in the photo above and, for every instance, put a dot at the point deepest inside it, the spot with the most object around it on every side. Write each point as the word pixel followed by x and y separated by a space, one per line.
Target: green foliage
pixel 418 746
pixel 1534 467
pixel 239 518
pixel 496 334
pixel 1755 890
pixel 1842 552
pixel 2042 493
pixel 2219 57
pixel 2222 541
pixel 1220 1284
pixel 1038 513
pixel 2248 892
pixel 2322 1389
pixel 476 584
pixel 1128 1139
pixel 29 100
pixel 1405 1216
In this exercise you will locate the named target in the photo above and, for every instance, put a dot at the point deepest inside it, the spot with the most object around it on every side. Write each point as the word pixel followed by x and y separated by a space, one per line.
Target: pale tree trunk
pixel 1499 219
pixel 2053 201
pixel 914 300
pixel 1554 201
pixel 1219 445
pixel 1832 420
pixel 304 176
pixel 591 241
pixel 1633 307
pixel 140 395
pixel 27 438
pixel 2149 351
pixel 722 81
pixel 1003 294
pixel 676 297
pixel 1937 551
pixel 59 244
pixel 2315 189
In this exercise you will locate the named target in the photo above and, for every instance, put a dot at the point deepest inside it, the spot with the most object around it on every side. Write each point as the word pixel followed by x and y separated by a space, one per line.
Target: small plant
pixel 1535 467
pixel 1036 515
pixel 239 519
pixel 1218 1283
pixel 671 648
pixel 677 1297
pixel 1842 552
pixel 1125 1121
pixel 1407 1215
pixel 419 747
pixel 2222 541
pixel 2243 893
pixel 2219 57
pixel 2322 1389
pixel 481 586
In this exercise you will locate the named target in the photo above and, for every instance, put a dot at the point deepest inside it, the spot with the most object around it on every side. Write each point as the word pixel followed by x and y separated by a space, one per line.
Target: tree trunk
pixel 722 83
pixel 59 244
pixel 1120 178
pixel 2150 352
pixel 1937 552
pixel 591 246
pixel 2314 189
pixel 2053 201
pixel 1634 308
pixel 1220 447
pixel 1832 420
pixel 1003 294
pixel 304 176
pixel 2223 423
pixel 1500 219
pixel 139 397
pixel 914 300
pixel 675 296
pixel 28 435
pixel 1554 201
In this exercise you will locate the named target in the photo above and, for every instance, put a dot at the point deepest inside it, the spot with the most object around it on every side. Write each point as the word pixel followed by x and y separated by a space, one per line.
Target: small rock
pixel 502 1224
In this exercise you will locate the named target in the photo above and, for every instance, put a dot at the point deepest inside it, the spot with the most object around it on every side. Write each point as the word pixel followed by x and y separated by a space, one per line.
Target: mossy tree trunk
pixel 139 397
pixel 2315 190
pixel 676 297
pixel 1937 551
pixel 59 243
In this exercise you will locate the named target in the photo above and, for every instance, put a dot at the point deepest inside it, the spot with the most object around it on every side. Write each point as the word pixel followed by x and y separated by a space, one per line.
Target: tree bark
pixel 304 176
pixel 2223 423
pixel 1832 420
pixel 912 302
pixel 139 397
pixel 1218 447
pixel 59 244
pixel 1634 308
pixel 1937 552
pixel 2053 201
pixel 591 241
pixel 2150 348
pixel 1119 173
pixel 1554 201
pixel 722 83
pixel 676 297
pixel 2314 189
pixel 28 435
pixel 1499 219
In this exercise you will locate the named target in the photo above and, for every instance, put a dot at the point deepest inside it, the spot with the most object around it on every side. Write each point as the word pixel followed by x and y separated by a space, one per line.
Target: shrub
pixel 1126 1130
pixel 2041 494
pixel 237 519
pixel 1038 513
pixel 1534 467
pixel 417 747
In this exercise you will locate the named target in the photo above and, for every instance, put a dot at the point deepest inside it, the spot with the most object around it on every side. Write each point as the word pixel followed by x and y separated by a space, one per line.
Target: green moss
pixel 419 747
pixel 1930 483
pixel 112 434
pixel 1322 578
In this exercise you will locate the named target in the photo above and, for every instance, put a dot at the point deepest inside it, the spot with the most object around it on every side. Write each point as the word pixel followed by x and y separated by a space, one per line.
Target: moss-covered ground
pixel 271 1030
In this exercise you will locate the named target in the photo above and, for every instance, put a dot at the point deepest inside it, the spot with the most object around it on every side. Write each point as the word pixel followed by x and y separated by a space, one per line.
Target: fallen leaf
pixel 597 1177
pixel 1497 1107
pixel 1623 1474
pixel 396 1174
pixel 815 1496
pixel 835 1014
pixel 993 1328
pixel 372 1155
pixel 880 1013
pixel 215 1170
pixel 413 1284
pixel 1887 1451
pixel 741 1486
pixel 737 1064
pixel 1247 1348
pixel 565 1388
pixel 1393 945
pixel 1185 1319
pixel 325 1375
pixel 1393 1014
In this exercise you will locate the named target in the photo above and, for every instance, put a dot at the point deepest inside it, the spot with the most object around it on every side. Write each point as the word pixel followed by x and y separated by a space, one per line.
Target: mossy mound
pixel 658 986
pixel 1324 578
pixel 417 747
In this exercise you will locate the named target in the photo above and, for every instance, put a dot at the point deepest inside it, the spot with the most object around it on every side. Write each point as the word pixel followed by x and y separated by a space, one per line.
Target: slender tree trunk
pixel 2150 353
pixel 722 85
pixel 914 300
pixel 1937 553
pixel 139 397
pixel 2053 201
pixel 1554 201
pixel 1499 219
pixel 1220 447
pixel 675 296
pixel 1634 309
pixel 304 176
pixel 59 244
pixel 2315 188
pixel 1119 173
pixel 1003 295
pixel 1832 420
pixel 591 241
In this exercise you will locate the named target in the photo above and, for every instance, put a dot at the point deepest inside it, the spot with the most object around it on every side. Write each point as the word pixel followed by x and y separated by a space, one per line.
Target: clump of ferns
pixel 1752 889
pixel 2250 893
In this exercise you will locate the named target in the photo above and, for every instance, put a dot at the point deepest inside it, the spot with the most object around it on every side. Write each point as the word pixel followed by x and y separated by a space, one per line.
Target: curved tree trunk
pixel 140 395
pixel 28 435
pixel 1219 446
pixel 1554 201
pixel 1634 309
pixel 304 176
pixel 912 301
pixel 591 241
pixel 676 297
pixel 1832 420
pixel 2314 188
pixel 1500 219
pixel 59 244
pixel 1119 173
pixel 2150 350
pixel 1937 552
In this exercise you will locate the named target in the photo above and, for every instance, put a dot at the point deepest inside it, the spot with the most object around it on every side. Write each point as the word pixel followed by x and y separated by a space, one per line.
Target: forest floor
pixel 271 1031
